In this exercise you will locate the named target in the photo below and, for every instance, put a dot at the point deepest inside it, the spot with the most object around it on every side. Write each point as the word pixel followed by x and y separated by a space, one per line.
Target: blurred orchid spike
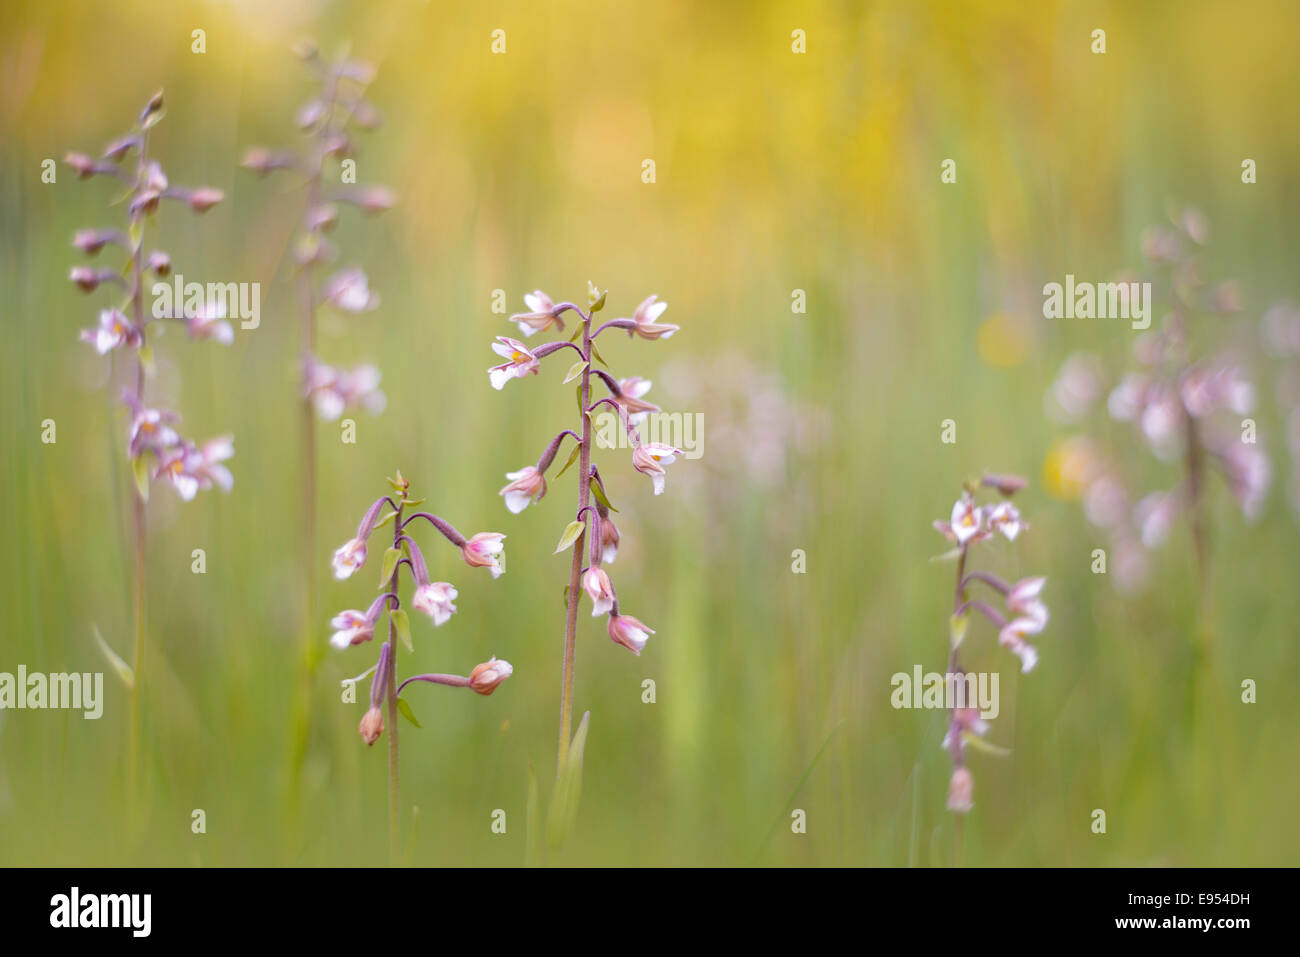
pixel 1022 614
pixel 1185 396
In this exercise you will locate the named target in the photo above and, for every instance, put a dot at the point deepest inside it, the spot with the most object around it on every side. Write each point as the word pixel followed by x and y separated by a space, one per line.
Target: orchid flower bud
pixel 486 677
pixel 961 789
pixel 609 540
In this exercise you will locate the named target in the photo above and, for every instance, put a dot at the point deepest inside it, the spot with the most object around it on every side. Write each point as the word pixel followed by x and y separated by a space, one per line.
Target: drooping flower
pixel 539 316
pixel 486 677
pixel 332 391
pixel 526 486
pixel 1023 599
pixel 485 550
pixel 151 431
pixel 114 331
pixel 349 290
pixel 645 318
pixel 521 362
pixel 209 322
pixel 351 627
pixel 964 721
pixel 601 590
pixel 630 392
pixel 190 468
pixel 348 557
pixel 435 600
pixel 629 632
pixel 651 458
pixel 1012 637
pixel 1005 518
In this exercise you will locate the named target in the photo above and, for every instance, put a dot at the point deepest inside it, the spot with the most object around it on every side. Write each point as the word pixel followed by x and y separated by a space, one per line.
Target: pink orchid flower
pixel 526 486
pixel 435 600
pixel 114 331
pixel 651 458
pixel 538 318
pixel 645 318
pixel 601 589
pixel 485 550
pixel 629 632
pixel 521 362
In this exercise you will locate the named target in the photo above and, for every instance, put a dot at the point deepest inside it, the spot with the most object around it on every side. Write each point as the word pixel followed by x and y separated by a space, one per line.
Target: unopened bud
pixel 204 198
pixel 372 725
pixel 960 790
pixel 160 263
pixel 83 164
pixel 87 279
pixel 485 677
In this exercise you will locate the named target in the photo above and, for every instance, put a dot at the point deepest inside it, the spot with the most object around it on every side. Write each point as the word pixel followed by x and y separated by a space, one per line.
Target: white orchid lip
pixel 521 362
pixel 967 519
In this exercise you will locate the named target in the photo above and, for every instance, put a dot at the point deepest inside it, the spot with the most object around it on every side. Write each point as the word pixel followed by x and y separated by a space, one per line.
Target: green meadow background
pixel 775 172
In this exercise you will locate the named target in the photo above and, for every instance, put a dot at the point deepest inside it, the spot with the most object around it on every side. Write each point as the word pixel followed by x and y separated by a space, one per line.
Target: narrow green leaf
pixel 957 628
pixel 571 533
pixel 948 556
pixel 568 789
pixel 391 557
pixel 575 370
pixel 578 393
pixel 402 624
pixel 597 491
pixel 124 671
pixel 566 596
pixel 407 713
pixel 979 744
pixel 573 457
pixel 140 469
pixel 385 520
pixel 595 297
pixel 153 119
pixel 599 358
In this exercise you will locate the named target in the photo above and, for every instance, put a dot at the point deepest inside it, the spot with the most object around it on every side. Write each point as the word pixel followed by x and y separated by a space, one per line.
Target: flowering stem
pixel 955 748
pixel 575 569
pixel 393 844
pixel 307 418
pixel 137 500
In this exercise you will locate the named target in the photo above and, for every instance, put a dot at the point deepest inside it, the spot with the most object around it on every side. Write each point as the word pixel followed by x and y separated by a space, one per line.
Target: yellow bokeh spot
pixel 1068 467
pixel 1002 341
